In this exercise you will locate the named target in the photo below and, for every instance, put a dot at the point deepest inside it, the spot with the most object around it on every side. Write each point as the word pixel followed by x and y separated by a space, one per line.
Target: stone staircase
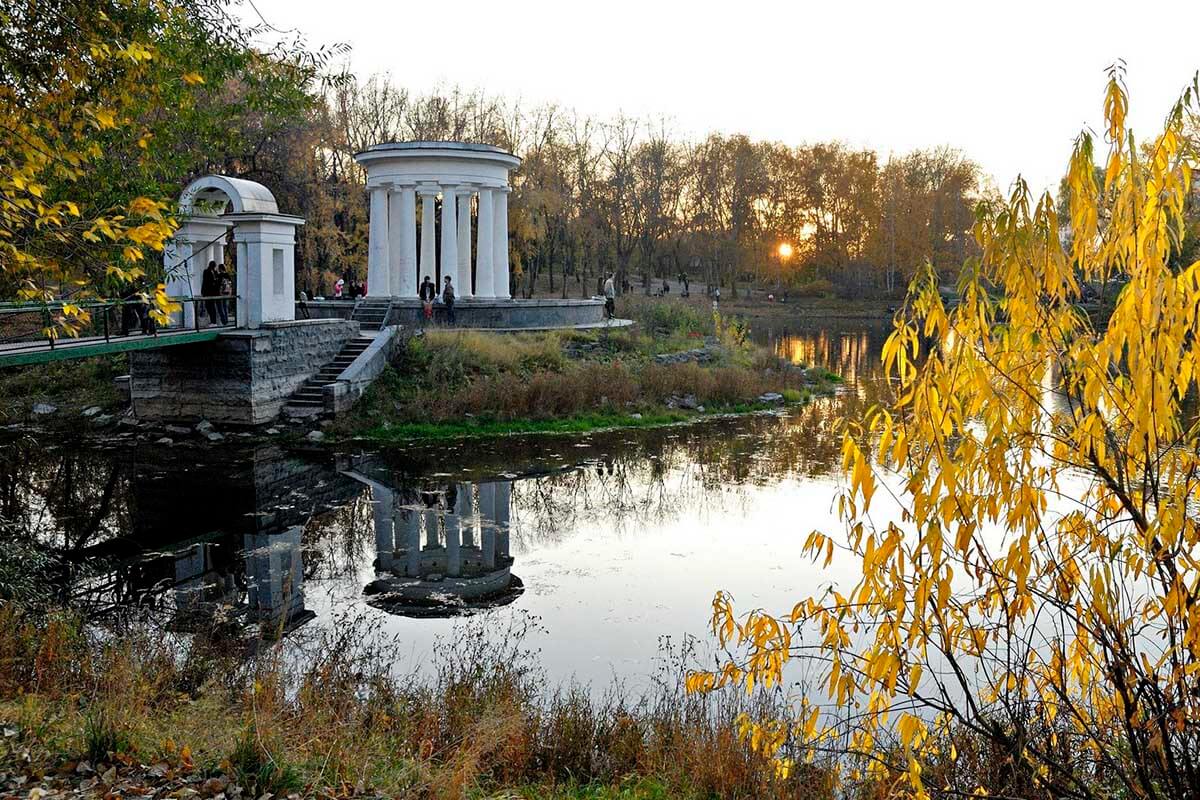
pixel 310 396
pixel 371 313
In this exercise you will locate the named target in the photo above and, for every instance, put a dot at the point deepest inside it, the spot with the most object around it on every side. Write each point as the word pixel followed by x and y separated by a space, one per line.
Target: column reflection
pixel 462 563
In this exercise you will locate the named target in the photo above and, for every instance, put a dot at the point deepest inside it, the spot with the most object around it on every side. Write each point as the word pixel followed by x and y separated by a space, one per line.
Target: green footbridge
pixel 22 353
pixel 26 349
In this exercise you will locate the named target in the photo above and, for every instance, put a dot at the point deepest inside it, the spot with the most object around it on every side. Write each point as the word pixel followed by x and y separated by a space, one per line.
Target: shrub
pixel 672 317
pixel 259 770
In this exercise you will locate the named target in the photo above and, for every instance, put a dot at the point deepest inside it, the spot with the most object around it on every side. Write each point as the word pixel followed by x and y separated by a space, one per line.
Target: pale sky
pixel 1010 83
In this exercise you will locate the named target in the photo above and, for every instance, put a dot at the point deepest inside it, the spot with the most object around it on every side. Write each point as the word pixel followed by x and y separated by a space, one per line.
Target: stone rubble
pixel 702 355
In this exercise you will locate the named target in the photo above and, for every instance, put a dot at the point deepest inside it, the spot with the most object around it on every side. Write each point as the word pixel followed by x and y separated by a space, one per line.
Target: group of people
pixel 429 295
pixel 216 285
pixel 353 289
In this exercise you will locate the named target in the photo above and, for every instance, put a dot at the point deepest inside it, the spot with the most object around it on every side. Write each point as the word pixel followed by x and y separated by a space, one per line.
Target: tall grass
pixel 469 352
pixel 658 316
pixel 343 719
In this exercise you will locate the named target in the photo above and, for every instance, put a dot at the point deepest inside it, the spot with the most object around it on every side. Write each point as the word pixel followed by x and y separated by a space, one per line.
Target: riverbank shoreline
pixel 682 362
pixel 134 713
pixel 678 364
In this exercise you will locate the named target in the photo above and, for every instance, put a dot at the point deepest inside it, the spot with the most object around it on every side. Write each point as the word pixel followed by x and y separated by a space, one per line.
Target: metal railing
pixel 130 313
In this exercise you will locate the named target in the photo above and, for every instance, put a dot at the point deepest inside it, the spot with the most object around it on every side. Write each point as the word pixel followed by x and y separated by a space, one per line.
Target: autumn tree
pixel 109 108
pixel 70 78
pixel 1023 513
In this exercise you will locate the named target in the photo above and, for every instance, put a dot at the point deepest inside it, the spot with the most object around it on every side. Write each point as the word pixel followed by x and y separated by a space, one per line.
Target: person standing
pixel 610 297
pixel 134 311
pixel 210 288
pixel 225 289
pixel 448 299
pixel 428 293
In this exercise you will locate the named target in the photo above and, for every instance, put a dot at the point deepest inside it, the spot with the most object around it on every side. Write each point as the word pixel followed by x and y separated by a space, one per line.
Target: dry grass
pixel 342 721
pixel 452 377
pixel 490 353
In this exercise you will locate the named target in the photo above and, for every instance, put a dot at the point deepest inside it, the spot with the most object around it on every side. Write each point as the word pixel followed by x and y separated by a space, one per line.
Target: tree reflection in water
pixel 192 534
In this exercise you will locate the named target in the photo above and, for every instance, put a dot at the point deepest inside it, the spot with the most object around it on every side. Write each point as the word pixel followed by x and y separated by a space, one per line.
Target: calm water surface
pixel 609 541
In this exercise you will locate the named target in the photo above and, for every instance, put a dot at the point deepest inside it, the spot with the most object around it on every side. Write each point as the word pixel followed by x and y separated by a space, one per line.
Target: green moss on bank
pixel 455 429
pixel 575 424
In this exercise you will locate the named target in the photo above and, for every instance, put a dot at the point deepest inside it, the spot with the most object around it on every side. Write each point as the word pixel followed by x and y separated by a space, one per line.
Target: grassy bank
pixel 139 710
pixel 135 708
pixel 679 363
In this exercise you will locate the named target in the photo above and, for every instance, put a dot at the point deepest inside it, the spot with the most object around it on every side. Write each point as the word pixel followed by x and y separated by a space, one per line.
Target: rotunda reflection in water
pixel 442 549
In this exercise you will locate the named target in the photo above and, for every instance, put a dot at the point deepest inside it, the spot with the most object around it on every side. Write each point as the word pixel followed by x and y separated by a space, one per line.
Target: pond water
pixel 607 542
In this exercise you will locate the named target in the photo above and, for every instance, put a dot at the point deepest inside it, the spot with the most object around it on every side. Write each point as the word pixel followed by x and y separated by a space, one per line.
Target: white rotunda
pixel 457 178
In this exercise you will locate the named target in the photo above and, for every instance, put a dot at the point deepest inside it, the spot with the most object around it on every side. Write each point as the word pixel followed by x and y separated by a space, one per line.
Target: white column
pixel 488 546
pixel 242 304
pixel 395 225
pixel 407 284
pixel 487 523
pixel 429 519
pixel 453 539
pixel 381 501
pixel 464 242
pixel 468 533
pixel 428 232
pixel 409 521
pixel 485 248
pixel 266 267
pixel 500 240
pixel 377 243
pixel 183 282
pixel 449 239
pixel 503 499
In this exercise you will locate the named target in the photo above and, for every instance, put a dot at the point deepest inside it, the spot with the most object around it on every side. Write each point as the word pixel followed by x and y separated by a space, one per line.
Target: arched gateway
pixel 211 207
pixel 456 172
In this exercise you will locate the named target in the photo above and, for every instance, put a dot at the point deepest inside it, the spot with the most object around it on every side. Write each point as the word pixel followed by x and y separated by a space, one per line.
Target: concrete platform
pixel 537 314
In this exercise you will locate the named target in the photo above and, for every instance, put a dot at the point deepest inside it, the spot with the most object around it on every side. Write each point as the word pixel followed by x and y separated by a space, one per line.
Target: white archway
pixel 209 208
pixel 230 195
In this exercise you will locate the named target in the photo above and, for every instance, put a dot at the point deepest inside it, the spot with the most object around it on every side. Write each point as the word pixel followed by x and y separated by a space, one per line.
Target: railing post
pixel 196 313
pixel 106 323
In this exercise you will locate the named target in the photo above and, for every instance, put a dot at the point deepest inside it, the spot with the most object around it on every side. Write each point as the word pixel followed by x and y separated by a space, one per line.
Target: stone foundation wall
pixel 532 314
pixel 244 377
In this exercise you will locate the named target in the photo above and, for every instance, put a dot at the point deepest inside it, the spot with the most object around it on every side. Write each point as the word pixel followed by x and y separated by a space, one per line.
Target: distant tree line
pixel 592 195
pixel 624 195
